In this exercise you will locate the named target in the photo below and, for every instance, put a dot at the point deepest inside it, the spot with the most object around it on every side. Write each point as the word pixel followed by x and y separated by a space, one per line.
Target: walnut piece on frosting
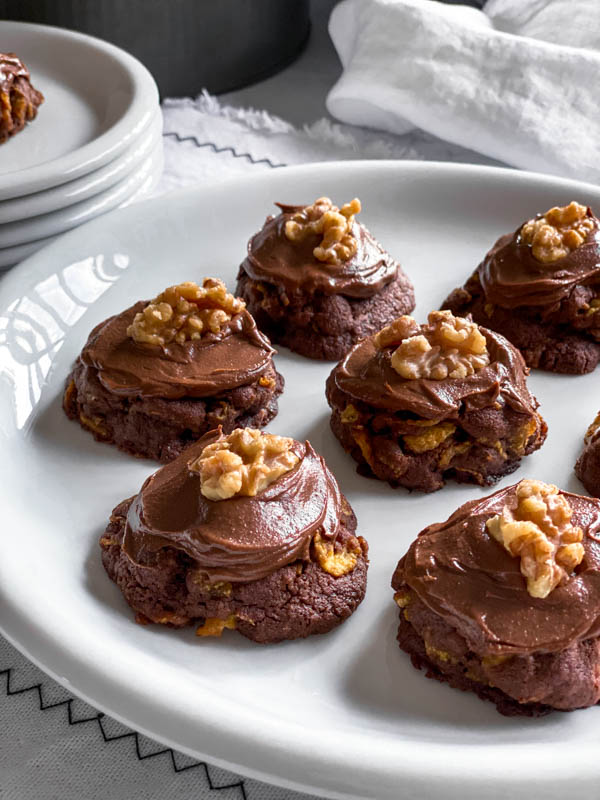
pixel 446 347
pixel 540 533
pixel 401 328
pixel 558 232
pixel 333 223
pixel 243 463
pixel 185 313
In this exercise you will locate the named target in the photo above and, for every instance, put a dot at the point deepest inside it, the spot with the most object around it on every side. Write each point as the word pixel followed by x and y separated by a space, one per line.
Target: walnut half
pixel 185 313
pixel 243 463
pixel 558 232
pixel 446 347
pixel 334 224
pixel 540 533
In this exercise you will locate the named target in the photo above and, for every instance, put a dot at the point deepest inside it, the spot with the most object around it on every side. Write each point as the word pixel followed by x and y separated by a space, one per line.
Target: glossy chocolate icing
pixel 274 259
pixel 511 277
pixel 366 375
pixel 243 538
pixel 465 576
pixel 11 67
pixel 236 356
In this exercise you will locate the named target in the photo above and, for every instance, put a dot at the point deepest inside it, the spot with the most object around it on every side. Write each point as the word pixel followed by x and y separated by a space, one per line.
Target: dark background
pixel 188 45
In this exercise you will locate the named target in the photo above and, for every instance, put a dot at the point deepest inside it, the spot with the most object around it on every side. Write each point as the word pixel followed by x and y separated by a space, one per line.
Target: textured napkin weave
pixel 517 81
pixel 56 747
pixel 205 140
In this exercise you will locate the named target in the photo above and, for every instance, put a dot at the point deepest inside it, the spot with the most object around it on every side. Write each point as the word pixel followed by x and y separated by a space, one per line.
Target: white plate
pixel 40 227
pixel 343 714
pixel 136 187
pixel 67 194
pixel 98 99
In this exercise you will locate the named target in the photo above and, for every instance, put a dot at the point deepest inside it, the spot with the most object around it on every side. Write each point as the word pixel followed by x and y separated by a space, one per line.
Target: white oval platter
pixel 344 715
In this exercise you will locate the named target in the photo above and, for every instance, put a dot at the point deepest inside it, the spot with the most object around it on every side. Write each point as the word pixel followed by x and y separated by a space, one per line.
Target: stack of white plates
pixel 95 145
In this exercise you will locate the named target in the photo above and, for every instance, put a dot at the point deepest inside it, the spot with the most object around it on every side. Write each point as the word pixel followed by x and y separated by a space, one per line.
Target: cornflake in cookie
pixel 158 376
pixel 416 404
pixel 540 287
pixel 317 281
pixel 247 531
pixel 19 101
pixel 503 599
pixel 587 467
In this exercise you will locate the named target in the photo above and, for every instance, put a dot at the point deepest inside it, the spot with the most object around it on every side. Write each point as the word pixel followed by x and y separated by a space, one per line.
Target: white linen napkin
pixel 206 140
pixel 518 81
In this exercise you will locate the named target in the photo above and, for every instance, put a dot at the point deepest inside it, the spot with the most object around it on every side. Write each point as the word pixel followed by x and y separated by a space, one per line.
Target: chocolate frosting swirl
pixel 512 277
pixel 366 374
pixel 273 258
pixel 243 538
pixel 465 576
pixel 11 67
pixel 239 354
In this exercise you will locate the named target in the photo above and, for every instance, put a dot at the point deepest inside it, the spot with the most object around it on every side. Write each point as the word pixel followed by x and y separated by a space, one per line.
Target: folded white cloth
pixel 518 81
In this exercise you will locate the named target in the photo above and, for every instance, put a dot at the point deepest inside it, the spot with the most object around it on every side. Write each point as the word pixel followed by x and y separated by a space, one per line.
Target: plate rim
pixel 28 228
pixel 109 144
pixel 69 193
pixel 271 757
pixel 154 162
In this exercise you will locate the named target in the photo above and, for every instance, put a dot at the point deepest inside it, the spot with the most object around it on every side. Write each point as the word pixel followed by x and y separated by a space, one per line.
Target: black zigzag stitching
pixel 98 717
pixel 216 149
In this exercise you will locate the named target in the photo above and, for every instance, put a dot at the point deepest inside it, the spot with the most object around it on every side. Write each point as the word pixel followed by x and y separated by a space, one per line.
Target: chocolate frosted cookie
pixel 540 287
pixel 587 467
pixel 158 376
pixel 19 101
pixel 416 405
pixel 503 599
pixel 317 281
pixel 247 531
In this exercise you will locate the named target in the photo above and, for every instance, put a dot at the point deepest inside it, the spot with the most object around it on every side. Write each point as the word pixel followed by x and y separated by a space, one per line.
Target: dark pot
pixel 188 45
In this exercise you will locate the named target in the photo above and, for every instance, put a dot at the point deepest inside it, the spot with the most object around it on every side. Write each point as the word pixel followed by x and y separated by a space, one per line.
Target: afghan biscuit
pixel 417 405
pixel 540 287
pixel 159 375
pixel 317 281
pixel 247 531
pixel 503 599
pixel 19 100
pixel 587 466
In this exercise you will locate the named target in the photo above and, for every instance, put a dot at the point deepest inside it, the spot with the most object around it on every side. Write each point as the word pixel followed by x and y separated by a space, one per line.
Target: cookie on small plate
pixel 417 405
pixel 540 287
pixel 317 281
pixel 19 101
pixel 503 599
pixel 159 375
pixel 247 531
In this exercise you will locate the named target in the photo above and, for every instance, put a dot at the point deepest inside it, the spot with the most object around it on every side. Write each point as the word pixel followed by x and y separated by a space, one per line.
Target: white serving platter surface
pixel 342 715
